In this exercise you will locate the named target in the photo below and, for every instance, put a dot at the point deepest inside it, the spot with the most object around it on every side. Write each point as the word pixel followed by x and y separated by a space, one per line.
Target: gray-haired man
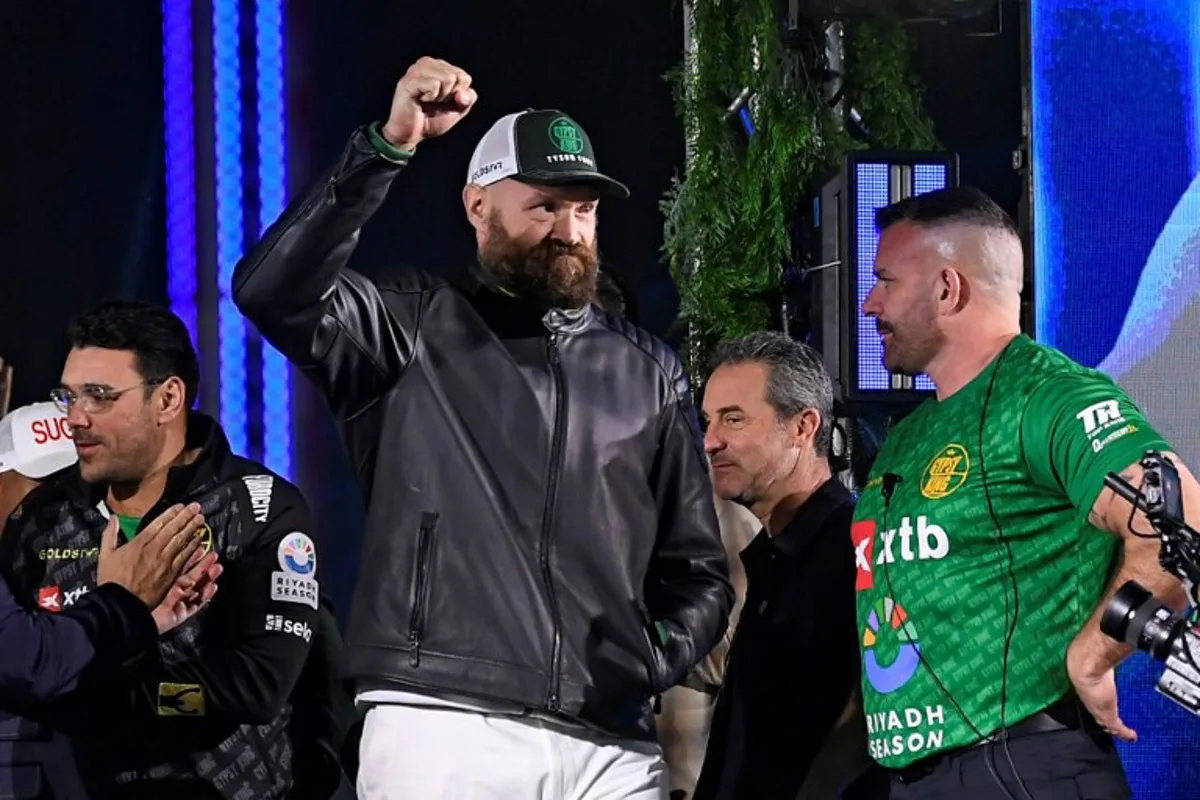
pixel 787 716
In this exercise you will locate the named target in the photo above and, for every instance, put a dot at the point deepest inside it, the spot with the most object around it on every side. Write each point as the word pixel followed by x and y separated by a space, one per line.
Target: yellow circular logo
pixel 206 539
pixel 946 472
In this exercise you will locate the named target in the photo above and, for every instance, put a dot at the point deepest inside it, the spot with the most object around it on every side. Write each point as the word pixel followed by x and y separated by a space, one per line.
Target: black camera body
pixel 1137 617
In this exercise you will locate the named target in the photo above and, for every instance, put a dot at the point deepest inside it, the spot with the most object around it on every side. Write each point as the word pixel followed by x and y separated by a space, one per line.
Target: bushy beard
pixel 551 274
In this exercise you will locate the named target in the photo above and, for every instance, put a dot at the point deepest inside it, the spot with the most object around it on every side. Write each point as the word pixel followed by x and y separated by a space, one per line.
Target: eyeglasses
pixel 92 398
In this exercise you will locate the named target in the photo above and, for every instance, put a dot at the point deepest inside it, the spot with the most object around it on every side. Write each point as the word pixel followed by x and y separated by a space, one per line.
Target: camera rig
pixel 1134 615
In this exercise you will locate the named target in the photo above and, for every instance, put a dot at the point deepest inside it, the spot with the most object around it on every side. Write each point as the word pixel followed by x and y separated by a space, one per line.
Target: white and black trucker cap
pixel 539 146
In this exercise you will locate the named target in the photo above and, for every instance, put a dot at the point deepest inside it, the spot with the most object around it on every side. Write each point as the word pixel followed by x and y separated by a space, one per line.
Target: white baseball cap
pixel 539 146
pixel 36 441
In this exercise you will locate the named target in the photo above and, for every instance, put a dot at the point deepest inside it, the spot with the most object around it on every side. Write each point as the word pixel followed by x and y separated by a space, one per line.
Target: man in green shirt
pixel 987 545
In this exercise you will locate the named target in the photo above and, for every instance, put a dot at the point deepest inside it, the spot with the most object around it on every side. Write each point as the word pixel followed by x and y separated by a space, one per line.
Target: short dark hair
pixel 964 204
pixel 157 338
pixel 796 377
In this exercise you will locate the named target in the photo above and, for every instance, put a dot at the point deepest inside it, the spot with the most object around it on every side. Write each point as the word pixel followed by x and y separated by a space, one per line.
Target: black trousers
pixel 1075 764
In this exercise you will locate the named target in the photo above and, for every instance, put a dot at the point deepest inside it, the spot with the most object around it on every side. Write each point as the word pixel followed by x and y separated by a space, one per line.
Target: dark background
pixel 81 154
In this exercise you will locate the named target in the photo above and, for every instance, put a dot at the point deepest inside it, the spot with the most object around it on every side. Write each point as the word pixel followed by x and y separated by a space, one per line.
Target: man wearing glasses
pixel 49 652
pixel 46 654
pixel 210 717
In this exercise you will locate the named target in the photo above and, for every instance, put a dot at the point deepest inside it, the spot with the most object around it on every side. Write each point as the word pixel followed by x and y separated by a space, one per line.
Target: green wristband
pixel 385 148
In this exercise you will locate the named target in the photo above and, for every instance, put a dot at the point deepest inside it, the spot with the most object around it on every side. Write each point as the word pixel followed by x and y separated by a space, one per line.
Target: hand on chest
pixel 68 553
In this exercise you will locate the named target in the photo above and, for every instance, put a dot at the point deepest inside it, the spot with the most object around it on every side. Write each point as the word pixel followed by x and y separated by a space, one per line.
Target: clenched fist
pixel 430 99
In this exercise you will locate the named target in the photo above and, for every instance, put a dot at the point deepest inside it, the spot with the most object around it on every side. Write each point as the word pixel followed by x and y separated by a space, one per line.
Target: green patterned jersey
pixel 935 595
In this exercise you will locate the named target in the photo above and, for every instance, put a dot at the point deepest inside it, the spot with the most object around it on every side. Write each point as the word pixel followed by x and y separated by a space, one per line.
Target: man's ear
pixel 952 291
pixel 171 399
pixel 475 204
pixel 804 426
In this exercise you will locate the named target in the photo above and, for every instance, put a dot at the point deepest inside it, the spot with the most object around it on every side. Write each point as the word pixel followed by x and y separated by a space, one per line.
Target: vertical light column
pixel 272 197
pixel 227 129
pixel 179 129
pixel 872 192
pixel 1048 277
pixel 1192 25
pixel 191 197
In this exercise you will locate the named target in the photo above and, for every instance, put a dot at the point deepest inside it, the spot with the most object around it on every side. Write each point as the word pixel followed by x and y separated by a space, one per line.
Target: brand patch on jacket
pixel 181 700
pixel 67 553
pixel 260 488
pixel 278 623
pixel 206 539
pixel 49 599
pixel 296 582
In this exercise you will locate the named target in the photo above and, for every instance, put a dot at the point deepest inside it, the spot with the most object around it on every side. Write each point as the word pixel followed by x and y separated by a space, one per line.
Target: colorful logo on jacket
pixel 181 700
pixel 887 678
pixel 946 472
pixel 50 599
pixel 298 556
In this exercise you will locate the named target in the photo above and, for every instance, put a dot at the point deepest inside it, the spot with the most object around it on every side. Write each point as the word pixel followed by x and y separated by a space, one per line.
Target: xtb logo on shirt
pixel 932 544
pixel 53 599
pixel 50 599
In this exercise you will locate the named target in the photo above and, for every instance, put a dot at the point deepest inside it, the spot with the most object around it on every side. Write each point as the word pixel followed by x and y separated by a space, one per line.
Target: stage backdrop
pixel 1116 156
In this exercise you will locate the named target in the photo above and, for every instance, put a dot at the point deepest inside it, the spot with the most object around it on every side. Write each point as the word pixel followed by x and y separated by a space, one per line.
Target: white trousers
pixel 429 753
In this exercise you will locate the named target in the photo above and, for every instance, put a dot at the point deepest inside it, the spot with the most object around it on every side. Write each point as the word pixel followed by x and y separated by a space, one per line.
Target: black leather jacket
pixel 540 525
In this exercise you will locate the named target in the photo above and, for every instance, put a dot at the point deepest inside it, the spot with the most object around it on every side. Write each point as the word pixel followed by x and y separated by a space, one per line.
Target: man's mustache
pixel 551 250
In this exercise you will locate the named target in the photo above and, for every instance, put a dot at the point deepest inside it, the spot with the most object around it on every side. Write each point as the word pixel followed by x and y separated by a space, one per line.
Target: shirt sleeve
pixel 1076 429
pixel 43 655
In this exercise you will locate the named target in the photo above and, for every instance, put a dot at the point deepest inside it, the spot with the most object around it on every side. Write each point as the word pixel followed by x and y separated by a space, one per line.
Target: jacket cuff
pixel 120 627
pixel 385 148
pixel 678 653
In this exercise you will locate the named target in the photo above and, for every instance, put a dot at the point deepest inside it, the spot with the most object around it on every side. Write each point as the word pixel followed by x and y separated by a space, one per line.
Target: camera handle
pixel 1160 498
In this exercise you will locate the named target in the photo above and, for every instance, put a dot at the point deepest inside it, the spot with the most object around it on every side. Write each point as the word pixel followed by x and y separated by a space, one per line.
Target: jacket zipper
pixel 556 447
pixel 416 622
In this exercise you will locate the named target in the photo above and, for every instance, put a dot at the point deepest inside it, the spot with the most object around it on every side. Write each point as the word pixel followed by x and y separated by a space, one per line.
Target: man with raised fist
pixel 542 557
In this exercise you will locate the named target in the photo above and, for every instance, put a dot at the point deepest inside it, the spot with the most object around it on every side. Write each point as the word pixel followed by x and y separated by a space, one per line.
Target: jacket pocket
pixel 420 586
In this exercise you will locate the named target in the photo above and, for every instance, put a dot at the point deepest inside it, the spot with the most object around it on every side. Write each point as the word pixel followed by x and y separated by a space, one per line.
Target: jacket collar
pixel 513 316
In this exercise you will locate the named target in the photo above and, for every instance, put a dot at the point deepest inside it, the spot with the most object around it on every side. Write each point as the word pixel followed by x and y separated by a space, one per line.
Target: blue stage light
pixel 874 190
pixel 227 108
pixel 179 130
pixel 272 197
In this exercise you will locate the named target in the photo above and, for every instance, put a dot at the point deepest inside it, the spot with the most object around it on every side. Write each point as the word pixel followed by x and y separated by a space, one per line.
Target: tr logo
pixel 1099 415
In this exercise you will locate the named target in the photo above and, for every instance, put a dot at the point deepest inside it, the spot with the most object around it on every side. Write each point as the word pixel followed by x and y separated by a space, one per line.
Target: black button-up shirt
pixel 794 661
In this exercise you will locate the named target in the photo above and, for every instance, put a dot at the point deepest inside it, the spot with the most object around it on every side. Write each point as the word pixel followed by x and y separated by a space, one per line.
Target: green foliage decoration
pixel 729 223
